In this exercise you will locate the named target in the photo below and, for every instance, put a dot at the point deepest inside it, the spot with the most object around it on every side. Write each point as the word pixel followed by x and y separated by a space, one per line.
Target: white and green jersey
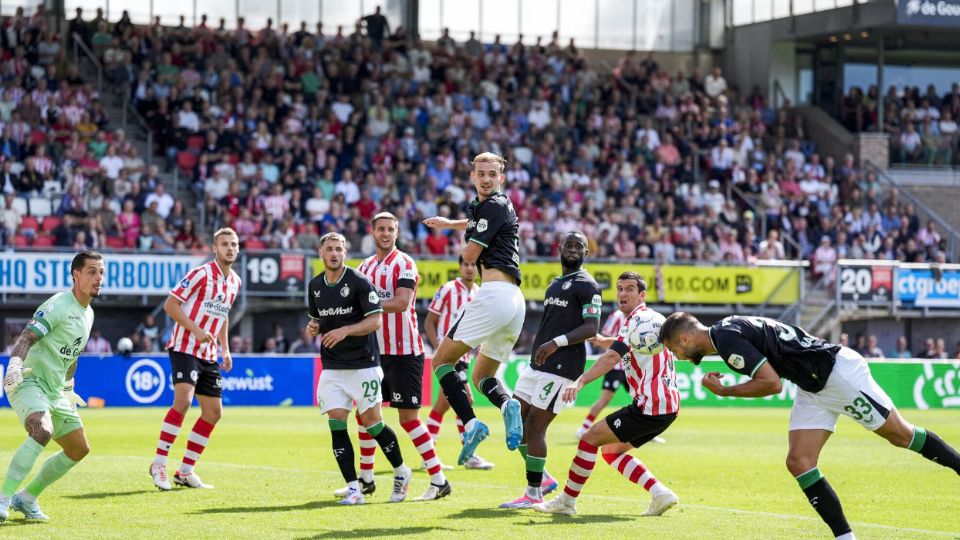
pixel 63 326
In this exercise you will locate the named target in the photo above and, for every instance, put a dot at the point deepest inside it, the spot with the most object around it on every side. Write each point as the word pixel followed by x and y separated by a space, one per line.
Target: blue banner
pixel 125 274
pixel 145 380
pixel 925 287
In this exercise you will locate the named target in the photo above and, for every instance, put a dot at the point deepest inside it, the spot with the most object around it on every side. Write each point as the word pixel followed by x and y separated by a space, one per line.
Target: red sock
pixel 433 423
pixel 588 421
pixel 460 428
pixel 581 468
pixel 169 430
pixel 424 444
pixel 196 443
pixel 368 452
pixel 632 469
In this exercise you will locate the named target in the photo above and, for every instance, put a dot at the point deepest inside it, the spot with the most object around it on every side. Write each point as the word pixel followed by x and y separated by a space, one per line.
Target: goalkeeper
pixel 39 385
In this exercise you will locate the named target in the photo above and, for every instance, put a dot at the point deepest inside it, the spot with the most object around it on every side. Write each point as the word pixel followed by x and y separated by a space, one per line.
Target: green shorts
pixel 30 398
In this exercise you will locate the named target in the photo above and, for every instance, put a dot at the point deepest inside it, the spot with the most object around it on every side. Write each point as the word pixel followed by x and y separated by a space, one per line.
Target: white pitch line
pixel 944 534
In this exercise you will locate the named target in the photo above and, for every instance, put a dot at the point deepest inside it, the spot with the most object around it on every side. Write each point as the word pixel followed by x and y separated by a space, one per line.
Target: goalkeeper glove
pixel 72 396
pixel 15 373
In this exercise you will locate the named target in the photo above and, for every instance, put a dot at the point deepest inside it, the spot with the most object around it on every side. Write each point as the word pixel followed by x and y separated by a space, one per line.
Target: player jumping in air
pixel 652 380
pixel 443 311
pixel 394 275
pixel 200 306
pixel 832 380
pixel 494 318
pixel 39 384
pixel 346 310
pixel 571 315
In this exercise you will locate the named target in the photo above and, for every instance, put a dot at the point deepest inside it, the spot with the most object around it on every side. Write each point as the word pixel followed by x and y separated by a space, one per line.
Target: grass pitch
pixel 274 474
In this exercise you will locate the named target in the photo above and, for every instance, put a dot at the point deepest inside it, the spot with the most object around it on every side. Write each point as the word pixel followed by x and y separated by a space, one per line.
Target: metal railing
pixel 78 46
pixel 128 109
pixel 949 233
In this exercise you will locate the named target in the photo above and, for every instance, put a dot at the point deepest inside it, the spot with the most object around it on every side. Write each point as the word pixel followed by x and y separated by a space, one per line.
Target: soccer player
pixel 832 380
pixel 571 315
pixel 39 384
pixel 444 309
pixel 627 300
pixel 200 307
pixel 394 275
pixel 345 309
pixel 494 318
pixel 652 380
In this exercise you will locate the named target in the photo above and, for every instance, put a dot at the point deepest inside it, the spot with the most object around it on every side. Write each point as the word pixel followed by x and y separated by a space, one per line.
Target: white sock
pixel 26 496
pixel 848 536
pixel 658 489
pixel 400 471
pixel 366 475
pixel 160 460
pixel 353 485
pixel 469 425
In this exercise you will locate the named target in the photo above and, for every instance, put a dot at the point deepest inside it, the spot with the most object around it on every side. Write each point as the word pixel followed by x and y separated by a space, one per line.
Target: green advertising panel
pixel 913 385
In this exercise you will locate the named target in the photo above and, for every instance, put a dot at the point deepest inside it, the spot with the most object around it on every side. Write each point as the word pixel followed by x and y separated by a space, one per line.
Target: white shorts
pixel 542 390
pixel 340 388
pixel 492 320
pixel 850 390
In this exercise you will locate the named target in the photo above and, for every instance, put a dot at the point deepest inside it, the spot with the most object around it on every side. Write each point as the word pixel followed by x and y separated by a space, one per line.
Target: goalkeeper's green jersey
pixel 63 326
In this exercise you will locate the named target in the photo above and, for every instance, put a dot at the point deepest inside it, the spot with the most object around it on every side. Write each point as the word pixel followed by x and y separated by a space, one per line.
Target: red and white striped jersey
pixel 448 304
pixel 652 379
pixel 207 296
pixel 611 328
pixel 399 334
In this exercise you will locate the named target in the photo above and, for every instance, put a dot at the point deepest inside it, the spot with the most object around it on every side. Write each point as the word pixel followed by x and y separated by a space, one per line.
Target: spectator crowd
pixel 286 134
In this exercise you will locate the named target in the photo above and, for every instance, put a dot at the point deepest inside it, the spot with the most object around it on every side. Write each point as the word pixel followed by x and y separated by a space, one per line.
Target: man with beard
pixel 571 315
pixel 832 380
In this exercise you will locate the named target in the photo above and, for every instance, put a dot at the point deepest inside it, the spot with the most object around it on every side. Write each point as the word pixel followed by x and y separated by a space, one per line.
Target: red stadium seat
pixel 44 240
pixel 50 223
pixel 195 143
pixel 29 223
pixel 186 161
pixel 254 245
pixel 116 242
pixel 21 241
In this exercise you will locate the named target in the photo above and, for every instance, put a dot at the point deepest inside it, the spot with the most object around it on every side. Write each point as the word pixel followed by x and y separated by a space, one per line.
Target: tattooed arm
pixel 22 346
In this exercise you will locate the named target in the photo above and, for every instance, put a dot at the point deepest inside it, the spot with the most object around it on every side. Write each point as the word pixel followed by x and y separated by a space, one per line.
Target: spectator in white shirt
pixel 217 187
pixel 342 109
pixel 773 245
pixel 111 164
pixel 713 199
pixel 947 124
pixel 794 154
pixel 653 138
pixel 164 201
pixel 824 259
pixel 539 114
pixel 10 219
pixel 348 188
pixel 722 157
pixel 187 119
pixel 911 145
pixel 715 84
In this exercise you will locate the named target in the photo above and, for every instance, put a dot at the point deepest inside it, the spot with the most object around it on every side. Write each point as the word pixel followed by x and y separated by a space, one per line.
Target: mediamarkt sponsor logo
pixel 331 312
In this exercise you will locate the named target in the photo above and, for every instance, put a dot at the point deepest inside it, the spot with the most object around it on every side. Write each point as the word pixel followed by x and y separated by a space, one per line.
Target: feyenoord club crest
pixel 481 225
pixel 567 285
pixel 345 291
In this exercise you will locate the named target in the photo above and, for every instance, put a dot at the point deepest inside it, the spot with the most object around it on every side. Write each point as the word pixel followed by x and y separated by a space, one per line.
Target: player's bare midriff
pixel 494 274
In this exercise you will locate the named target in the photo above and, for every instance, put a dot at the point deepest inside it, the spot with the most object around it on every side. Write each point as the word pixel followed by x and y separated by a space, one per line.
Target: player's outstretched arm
pixel 765 382
pixel 601 340
pixel 600 368
pixel 446 223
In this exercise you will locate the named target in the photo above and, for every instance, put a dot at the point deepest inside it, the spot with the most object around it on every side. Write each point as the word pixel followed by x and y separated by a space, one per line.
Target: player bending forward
pixel 444 309
pixel 494 318
pixel 832 380
pixel 39 384
pixel 653 382
pixel 571 315
pixel 200 306
pixel 345 309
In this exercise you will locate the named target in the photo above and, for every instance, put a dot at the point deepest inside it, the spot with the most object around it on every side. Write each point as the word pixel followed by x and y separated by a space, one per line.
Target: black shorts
pixel 402 380
pixel 461 368
pixel 614 379
pixel 205 376
pixel 631 426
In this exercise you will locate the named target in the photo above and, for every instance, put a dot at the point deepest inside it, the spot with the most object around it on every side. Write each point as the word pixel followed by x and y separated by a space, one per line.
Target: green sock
pixel 52 470
pixel 523 451
pixel 375 429
pixel 20 466
pixel 442 370
pixel 918 440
